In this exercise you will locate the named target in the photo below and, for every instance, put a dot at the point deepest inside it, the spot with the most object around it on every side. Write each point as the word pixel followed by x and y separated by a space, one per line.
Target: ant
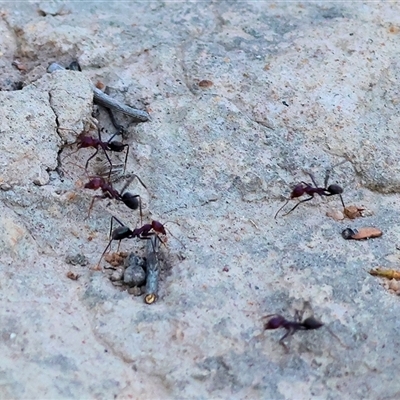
pixel 277 321
pixel 145 232
pixel 84 141
pixel 132 201
pixel 299 324
pixel 110 145
pixel 303 188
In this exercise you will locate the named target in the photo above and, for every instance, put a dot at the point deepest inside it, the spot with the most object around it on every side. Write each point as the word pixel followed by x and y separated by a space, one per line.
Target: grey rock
pixel 134 274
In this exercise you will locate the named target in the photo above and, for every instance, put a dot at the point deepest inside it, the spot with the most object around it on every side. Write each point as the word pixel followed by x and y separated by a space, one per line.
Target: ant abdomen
pixel 122 232
pixel 132 201
pixel 335 189
pixel 312 323
pixel 116 146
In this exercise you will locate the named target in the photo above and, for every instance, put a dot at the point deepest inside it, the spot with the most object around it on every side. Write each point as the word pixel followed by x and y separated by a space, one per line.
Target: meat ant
pixel 277 321
pixel 84 141
pixel 110 145
pixel 145 232
pixel 303 188
pixel 132 201
pixel 299 324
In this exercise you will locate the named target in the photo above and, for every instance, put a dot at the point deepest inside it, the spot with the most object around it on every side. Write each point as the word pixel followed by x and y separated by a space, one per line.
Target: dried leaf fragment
pixel 385 273
pixel 71 275
pixel 205 83
pixel 353 212
pixel 115 259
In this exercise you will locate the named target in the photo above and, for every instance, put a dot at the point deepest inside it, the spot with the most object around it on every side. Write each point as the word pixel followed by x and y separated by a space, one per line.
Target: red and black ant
pixel 132 201
pixel 277 321
pixel 303 188
pixel 111 145
pixel 84 141
pixel 124 232
pixel 299 324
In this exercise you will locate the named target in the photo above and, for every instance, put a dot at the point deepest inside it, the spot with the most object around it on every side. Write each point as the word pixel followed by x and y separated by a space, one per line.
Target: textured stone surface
pixel 245 98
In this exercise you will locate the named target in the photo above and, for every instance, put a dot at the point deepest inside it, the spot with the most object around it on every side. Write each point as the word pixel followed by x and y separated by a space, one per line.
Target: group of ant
pixel 146 231
pixel 131 200
pixel 277 321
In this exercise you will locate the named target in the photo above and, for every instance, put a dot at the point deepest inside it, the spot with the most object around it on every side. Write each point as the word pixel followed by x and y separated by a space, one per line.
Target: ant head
pixel 158 227
pixel 122 232
pixel 275 322
pixel 297 191
pixel 94 183
pixel 312 323
pixel 334 189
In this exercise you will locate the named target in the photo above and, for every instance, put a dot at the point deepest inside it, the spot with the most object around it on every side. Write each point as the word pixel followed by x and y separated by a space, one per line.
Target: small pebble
pixel 117 275
pixel 337 215
pixel 135 291
pixel 394 285
pixel 77 259
pixel 134 276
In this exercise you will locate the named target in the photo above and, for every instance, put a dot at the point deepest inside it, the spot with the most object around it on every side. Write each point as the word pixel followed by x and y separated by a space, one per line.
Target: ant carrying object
pixel 277 321
pixel 144 232
pixel 132 201
pixel 303 188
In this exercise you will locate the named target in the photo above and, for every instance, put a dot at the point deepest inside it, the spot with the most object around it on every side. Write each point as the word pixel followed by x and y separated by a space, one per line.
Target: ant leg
pixel 104 252
pixel 126 157
pixel 329 170
pixel 93 155
pixel 149 235
pixel 111 223
pixel 298 315
pixel 302 201
pixel 92 202
pixel 70 154
pixel 281 208
pixel 290 332
pixel 270 315
pixel 120 129
pixel 313 179
pixel 341 198
pixel 129 181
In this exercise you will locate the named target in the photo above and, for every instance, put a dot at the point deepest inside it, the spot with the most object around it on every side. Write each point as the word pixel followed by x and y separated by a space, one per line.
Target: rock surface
pixel 245 99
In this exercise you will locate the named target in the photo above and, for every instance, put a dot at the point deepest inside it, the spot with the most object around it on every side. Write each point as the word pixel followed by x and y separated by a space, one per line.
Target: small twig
pixel 152 271
pixel 105 100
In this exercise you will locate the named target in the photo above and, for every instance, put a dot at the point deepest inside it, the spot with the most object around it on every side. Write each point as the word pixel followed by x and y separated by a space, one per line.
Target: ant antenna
pixel 177 223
